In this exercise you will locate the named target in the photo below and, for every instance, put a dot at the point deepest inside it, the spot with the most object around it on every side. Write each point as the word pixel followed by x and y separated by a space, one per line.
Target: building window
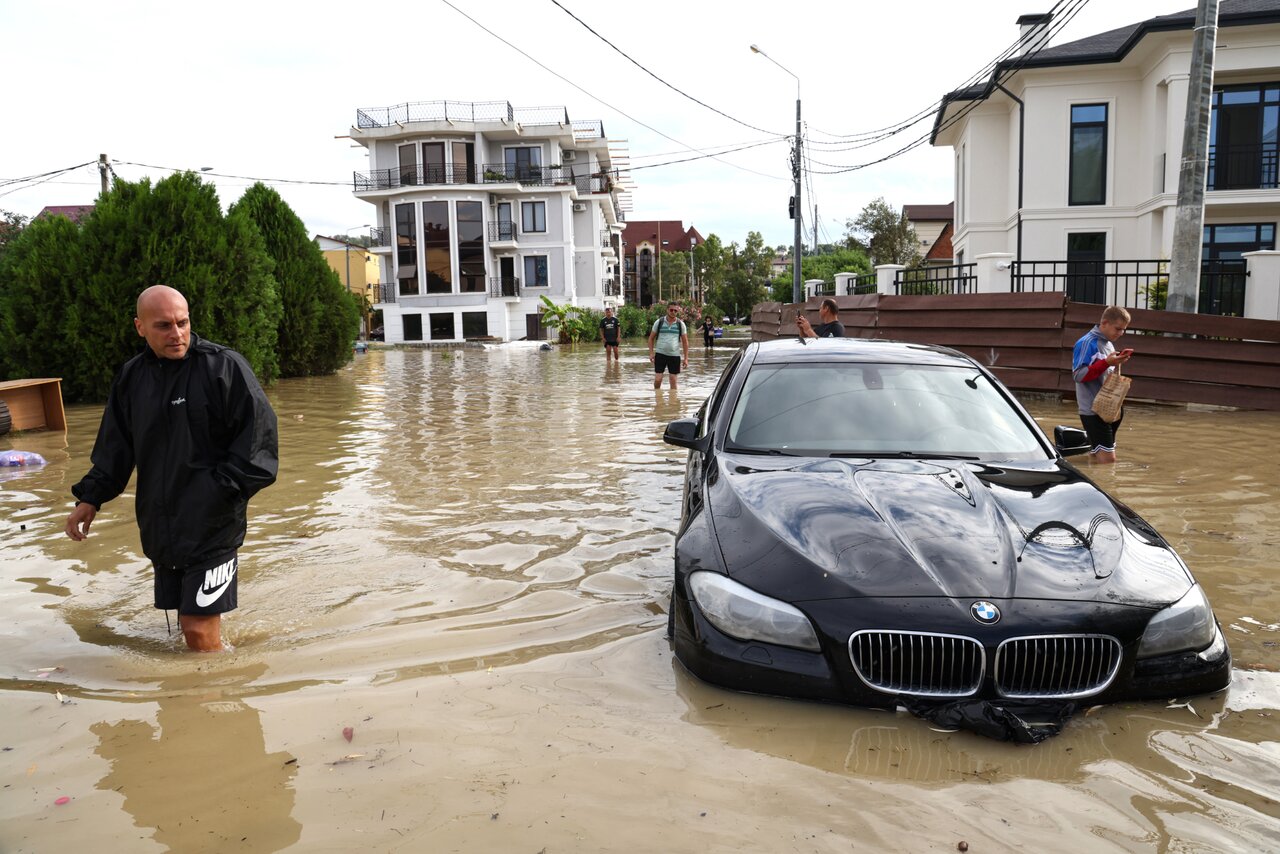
pixel 1086 263
pixel 1228 242
pixel 533 216
pixel 535 271
pixel 408 165
pixel 406 250
pixel 433 163
pixel 413 327
pixel 523 164
pixel 441 326
pixel 1244 147
pixel 435 242
pixel 475 324
pixel 464 163
pixel 470 247
pixel 1088 169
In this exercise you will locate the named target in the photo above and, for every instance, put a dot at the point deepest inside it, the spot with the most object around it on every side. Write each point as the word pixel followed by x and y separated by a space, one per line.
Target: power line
pixel 598 99
pixel 675 89
pixel 237 177
pixel 705 156
pixel 1047 33
pixel 29 181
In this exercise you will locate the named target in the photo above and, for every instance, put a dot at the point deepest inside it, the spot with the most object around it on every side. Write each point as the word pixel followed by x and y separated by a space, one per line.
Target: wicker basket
pixel 1110 400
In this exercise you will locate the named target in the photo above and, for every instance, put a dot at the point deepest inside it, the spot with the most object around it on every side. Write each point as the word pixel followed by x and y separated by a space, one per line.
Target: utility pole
pixel 1188 223
pixel 796 290
pixel 103 167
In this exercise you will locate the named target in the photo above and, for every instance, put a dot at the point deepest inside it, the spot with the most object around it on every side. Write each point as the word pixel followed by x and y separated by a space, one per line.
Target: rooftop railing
pixel 477 111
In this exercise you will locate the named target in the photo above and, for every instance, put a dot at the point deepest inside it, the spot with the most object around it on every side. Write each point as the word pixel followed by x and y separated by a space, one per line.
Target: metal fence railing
pixel 434 111
pixel 504 286
pixel 379 236
pixel 610 287
pixel 385 292
pixel 493 173
pixel 1137 283
pixel 922 281
pixel 1222 286
pixel 863 283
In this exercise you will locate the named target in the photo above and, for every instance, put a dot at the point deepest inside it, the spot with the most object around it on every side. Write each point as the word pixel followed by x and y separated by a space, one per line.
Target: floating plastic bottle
pixel 20 458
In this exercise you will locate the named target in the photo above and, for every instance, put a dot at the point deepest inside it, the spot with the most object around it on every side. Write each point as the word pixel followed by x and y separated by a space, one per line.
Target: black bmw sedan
pixel 874 522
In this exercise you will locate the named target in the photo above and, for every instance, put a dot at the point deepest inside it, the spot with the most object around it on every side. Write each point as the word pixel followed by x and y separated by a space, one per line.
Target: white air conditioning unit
pixel 568 156
pixel 579 207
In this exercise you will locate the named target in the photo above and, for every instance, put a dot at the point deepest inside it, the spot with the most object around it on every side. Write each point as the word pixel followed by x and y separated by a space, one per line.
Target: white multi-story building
pixel 482 209
pixel 1099 138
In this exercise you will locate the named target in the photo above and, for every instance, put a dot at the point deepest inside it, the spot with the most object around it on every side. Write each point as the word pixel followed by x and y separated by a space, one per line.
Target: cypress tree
pixel 320 318
pixel 38 273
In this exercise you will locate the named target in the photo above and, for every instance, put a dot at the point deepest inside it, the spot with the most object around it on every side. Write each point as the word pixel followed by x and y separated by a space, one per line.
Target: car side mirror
pixel 683 432
pixel 1070 440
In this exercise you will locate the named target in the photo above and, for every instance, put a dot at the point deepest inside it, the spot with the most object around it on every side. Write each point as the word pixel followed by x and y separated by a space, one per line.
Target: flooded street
pixel 466 560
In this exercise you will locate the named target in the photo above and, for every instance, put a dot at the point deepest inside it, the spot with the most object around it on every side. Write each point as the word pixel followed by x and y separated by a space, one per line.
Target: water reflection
pixel 200 777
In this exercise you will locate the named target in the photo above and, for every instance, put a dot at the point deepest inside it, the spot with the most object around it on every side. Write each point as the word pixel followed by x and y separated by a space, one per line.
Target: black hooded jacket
pixel 203 438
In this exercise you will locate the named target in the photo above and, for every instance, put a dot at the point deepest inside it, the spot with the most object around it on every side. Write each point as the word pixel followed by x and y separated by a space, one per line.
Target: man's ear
pixel 137 324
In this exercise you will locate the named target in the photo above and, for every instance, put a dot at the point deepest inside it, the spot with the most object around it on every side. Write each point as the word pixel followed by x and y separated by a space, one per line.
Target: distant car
pixel 875 523
pixel 378 333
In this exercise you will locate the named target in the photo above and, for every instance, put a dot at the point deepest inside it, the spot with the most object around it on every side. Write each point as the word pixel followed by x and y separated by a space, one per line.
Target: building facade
pixel 358 269
pixel 1099 136
pixel 932 224
pixel 642 243
pixel 482 209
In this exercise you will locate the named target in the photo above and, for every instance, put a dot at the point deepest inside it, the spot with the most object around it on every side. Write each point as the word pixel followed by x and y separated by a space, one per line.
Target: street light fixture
pixel 795 174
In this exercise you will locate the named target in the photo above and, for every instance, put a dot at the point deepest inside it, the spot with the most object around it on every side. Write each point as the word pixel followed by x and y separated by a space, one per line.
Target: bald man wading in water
pixel 191 417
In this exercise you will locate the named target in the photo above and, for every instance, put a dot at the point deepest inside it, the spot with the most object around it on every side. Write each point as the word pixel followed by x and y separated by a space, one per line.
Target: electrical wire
pixel 601 100
pixel 237 177
pixel 1047 33
pixel 29 182
pixel 675 89
pixel 705 156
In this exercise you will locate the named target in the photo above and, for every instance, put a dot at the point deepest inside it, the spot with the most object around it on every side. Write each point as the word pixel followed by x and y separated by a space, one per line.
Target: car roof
pixel 785 350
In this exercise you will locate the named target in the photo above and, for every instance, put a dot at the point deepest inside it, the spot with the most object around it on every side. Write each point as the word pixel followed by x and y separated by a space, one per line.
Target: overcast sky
pixel 268 90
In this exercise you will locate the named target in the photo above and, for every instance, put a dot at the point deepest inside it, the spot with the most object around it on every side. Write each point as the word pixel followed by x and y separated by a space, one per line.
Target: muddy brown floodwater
pixel 467 559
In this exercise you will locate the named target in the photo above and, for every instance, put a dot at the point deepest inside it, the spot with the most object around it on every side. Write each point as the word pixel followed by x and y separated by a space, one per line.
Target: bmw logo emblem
pixel 985 612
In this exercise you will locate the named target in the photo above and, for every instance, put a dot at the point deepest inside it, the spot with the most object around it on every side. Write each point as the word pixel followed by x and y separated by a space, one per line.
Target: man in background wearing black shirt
pixel 830 327
pixel 609 328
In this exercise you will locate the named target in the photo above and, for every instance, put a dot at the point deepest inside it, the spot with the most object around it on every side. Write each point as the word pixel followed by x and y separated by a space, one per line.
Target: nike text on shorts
pixel 203 589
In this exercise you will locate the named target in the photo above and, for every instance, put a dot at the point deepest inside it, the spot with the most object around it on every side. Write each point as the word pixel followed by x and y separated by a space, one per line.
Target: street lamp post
pixel 796 290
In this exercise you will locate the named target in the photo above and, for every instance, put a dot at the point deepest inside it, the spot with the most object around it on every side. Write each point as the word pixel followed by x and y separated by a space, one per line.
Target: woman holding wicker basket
pixel 1100 387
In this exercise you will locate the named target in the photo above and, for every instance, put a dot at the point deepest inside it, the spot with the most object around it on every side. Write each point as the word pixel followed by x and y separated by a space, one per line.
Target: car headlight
pixel 1185 625
pixel 741 612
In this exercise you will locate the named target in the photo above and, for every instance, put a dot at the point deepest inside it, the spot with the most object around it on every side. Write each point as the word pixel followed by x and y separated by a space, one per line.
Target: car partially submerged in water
pixel 878 523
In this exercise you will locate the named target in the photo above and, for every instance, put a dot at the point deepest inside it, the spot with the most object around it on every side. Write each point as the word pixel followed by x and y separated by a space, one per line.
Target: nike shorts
pixel 205 589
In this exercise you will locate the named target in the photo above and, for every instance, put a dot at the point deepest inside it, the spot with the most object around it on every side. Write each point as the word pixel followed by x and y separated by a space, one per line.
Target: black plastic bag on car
pixel 1019 721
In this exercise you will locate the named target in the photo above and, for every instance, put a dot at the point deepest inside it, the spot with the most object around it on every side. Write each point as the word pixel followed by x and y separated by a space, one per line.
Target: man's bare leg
pixel 1102 457
pixel 203 633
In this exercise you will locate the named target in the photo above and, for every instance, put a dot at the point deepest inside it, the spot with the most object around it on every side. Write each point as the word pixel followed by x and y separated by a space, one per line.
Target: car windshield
pixel 878 410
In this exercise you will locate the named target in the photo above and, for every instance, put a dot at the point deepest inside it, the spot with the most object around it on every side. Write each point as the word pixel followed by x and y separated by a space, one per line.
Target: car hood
pixel 832 528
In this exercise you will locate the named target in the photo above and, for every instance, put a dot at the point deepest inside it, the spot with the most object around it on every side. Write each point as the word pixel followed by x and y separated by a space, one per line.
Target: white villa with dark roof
pixel 482 209
pixel 1103 122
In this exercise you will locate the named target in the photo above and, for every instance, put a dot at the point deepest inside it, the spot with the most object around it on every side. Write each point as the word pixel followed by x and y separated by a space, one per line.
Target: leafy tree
pixel 675 274
pixel 320 317
pixel 709 260
pixel 74 289
pixel 885 232
pixel 38 274
pixel 822 267
pixel 11 225
pixel 576 323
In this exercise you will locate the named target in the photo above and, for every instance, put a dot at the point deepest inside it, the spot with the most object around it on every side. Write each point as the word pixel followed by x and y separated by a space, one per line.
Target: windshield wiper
pixel 764 452
pixel 903 455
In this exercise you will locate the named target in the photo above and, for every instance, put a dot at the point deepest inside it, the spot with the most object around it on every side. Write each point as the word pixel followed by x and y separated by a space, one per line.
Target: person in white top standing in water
pixel 668 346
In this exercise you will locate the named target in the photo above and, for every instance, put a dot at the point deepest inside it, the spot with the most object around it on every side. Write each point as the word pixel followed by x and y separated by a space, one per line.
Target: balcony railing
pixel 380 236
pixel 385 292
pixel 502 231
pixel 864 283
pixel 479 111
pixel 494 173
pixel 1244 167
pixel 606 238
pixel 504 286
pixel 919 281
pixel 609 287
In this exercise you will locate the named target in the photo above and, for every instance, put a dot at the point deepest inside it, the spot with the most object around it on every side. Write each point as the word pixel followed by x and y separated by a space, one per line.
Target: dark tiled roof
pixel 941 248
pixel 929 213
pixel 673 231
pixel 75 213
pixel 1114 45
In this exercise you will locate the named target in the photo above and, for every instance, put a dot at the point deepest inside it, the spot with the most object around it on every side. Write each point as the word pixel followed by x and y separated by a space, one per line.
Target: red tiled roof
pixel 673 231
pixel 941 248
pixel 929 213
pixel 75 213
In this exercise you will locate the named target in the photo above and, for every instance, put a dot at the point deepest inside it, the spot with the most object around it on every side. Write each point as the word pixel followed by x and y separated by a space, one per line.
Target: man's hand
pixel 806 331
pixel 80 519
pixel 650 355
pixel 1119 357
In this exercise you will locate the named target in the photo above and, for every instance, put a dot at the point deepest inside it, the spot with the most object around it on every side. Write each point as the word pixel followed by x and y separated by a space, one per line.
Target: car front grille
pixel 1056 666
pixel 918 663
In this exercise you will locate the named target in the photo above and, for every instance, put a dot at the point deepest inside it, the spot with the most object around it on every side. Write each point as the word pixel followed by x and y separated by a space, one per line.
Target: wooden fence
pixel 1026 340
